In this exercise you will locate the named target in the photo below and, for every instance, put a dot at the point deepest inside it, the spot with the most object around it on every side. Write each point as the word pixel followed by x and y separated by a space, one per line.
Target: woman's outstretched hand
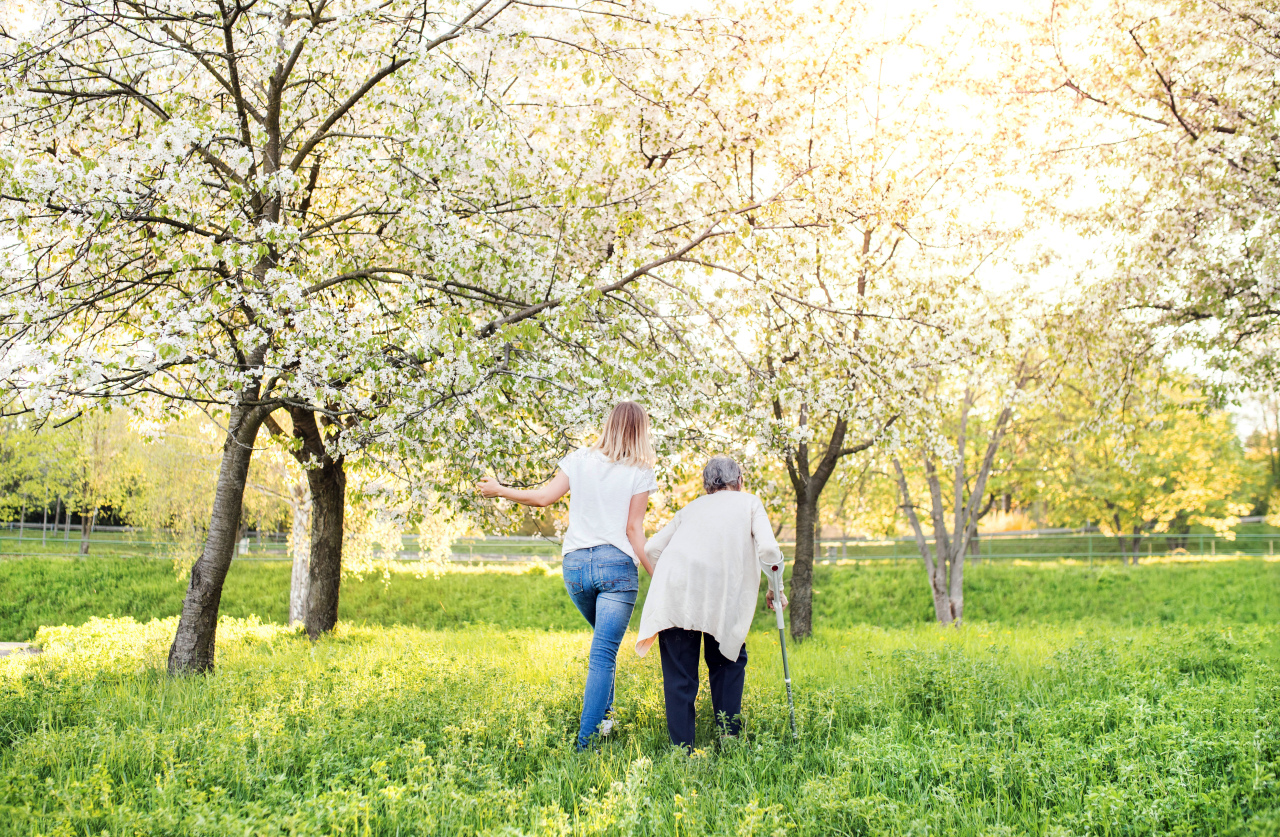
pixel 556 487
pixel 489 487
pixel 768 600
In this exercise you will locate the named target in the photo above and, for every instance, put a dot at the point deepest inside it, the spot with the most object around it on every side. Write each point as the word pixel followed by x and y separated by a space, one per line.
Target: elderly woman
pixel 707 576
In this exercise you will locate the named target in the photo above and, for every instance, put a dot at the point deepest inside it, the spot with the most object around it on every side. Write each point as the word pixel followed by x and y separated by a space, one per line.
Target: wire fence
pixel 1074 544
pixel 32 540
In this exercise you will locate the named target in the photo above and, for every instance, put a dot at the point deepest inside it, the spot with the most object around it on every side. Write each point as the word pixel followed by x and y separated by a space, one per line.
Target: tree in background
pixel 1262 450
pixel 1156 463
pixel 976 404
pixel 171 493
pixel 1186 151
pixel 104 463
pixel 155 476
pixel 820 331
pixel 35 469
pixel 292 488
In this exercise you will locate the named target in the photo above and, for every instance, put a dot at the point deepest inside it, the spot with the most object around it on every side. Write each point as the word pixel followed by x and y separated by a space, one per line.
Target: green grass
pixel 1085 729
pixel 36 592
pixel 1075 701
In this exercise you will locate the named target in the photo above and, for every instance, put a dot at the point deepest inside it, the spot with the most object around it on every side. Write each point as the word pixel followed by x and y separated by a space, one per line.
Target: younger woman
pixel 609 485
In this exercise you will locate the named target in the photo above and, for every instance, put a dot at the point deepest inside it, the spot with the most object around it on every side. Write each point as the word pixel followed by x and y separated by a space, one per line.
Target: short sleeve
pixel 569 464
pixel 645 481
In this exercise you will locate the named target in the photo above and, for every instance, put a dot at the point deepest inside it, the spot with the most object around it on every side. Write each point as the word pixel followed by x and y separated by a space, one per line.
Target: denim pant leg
pixel 613 613
pixel 604 585
pixel 585 601
pixel 727 678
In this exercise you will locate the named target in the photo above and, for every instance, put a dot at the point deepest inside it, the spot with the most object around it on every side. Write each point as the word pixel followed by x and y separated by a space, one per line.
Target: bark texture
pixel 327 482
pixel 193 644
pixel 328 495
pixel 800 599
pixel 316 592
pixel 300 546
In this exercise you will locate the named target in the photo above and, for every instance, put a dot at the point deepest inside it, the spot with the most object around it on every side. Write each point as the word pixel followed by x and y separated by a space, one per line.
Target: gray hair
pixel 719 473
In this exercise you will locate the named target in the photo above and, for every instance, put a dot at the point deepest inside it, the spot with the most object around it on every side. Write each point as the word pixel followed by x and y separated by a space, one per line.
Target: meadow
pixel 1075 701
pixel 43 591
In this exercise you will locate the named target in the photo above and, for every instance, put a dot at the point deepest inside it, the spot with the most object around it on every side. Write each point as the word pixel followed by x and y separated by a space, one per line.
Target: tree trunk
pixel 938 585
pixel 300 546
pixel 193 645
pixel 328 485
pixel 87 519
pixel 317 576
pixel 327 481
pixel 1129 546
pixel 800 600
pixel 955 593
pixel 935 565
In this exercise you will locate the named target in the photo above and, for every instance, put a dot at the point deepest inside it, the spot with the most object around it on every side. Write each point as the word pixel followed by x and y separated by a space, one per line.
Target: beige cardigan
pixel 707 577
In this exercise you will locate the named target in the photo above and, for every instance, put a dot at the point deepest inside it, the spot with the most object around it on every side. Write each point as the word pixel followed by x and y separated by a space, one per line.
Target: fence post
pixel 1090 550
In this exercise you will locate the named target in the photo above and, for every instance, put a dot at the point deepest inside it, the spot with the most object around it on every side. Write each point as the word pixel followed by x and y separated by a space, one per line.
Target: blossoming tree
pixel 362 215
pixel 833 312
pixel 1185 104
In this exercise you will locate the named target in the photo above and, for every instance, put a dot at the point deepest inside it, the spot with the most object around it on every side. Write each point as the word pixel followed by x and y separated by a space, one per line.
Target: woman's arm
pixel 537 497
pixel 654 546
pixel 768 553
pixel 635 527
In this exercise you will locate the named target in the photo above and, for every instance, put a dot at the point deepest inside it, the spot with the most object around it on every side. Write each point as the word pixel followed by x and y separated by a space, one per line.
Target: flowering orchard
pixel 380 222
pixel 411 243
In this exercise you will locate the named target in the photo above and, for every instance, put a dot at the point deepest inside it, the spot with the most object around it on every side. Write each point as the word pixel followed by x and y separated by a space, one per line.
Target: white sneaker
pixel 606 727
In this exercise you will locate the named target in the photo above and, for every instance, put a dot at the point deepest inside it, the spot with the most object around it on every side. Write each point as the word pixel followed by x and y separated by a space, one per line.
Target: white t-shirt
pixel 600 495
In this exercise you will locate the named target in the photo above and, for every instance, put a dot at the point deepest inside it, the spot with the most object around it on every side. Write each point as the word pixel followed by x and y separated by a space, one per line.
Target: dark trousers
pixel 679 649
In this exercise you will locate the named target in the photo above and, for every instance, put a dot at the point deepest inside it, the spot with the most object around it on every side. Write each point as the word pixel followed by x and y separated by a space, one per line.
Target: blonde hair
pixel 625 436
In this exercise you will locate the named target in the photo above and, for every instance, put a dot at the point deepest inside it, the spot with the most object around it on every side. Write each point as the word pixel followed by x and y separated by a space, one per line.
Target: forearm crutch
pixel 775 575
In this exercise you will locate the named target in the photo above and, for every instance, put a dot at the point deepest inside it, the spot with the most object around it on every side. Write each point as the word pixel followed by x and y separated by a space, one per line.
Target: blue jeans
pixel 603 583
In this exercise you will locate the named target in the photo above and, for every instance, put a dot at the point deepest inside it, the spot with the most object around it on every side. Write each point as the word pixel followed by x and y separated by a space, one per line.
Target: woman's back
pixel 714 536
pixel 600 493
pixel 707 575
